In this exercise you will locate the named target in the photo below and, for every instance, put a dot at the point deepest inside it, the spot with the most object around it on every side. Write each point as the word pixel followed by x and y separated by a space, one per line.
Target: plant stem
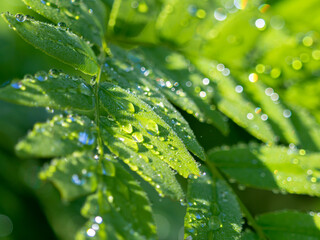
pixel 251 221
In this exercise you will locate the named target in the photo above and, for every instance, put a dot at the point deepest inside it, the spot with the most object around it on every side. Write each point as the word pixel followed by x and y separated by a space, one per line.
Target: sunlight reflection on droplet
pixel 260 23
pixel 220 14
pixel 98 219
pixel 239 89
pixel 91 232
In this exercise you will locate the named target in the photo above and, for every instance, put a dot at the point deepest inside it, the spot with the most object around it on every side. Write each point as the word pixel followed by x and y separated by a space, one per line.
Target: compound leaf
pixel 123 68
pixel 145 128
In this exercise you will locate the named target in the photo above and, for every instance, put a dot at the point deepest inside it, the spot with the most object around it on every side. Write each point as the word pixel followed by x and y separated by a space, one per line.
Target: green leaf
pixel 123 67
pixel 182 84
pixel 307 128
pixel 134 20
pixel 231 100
pixel 144 160
pixel 74 176
pixel 86 18
pixel 179 20
pixel 54 90
pixel 290 225
pixel 212 210
pixel 59 137
pixel 139 122
pixel 56 42
pixel 287 169
pixel 269 104
pixel 111 212
pixel 248 235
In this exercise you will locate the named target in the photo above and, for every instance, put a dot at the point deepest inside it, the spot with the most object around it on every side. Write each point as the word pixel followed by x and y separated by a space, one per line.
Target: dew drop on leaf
pixel 127 128
pixel 138 136
pixel 152 126
pixel 20 17
pixel 41 76
pixel 62 25
pixel 214 223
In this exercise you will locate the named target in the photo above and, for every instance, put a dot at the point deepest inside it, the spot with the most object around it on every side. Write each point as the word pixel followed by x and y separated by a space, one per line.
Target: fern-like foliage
pixel 121 115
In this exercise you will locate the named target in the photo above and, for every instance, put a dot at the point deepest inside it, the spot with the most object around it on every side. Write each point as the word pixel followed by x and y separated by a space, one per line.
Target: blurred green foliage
pixel 277 40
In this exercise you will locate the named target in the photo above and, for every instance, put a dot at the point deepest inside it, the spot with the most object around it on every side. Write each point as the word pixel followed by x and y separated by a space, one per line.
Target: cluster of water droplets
pixel 91 232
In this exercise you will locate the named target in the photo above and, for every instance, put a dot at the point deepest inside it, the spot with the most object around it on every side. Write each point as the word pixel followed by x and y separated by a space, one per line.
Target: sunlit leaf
pixel 279 168
pixel 56 42
pixel 145 129
pixel 182 84
pixel 232 101
pixel 125 72
pixel 133 21
pixel 86 18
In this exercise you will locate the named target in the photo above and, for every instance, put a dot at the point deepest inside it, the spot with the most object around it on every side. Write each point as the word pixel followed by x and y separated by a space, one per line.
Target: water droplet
pixel 264 117
pixel 316 54
pixel 130 107
pixel 214 223
pixel 250 116
pixel 260 23
pixel 287 113
pixel 268 91
pixel 84 89
pixel 274 97
pixel 205 81
pixel 95 227
pixel 264 8
pixel 203 94
pixel 201 13
pixel 62 25
pixel 20 17
pixel 41 76
pixel 91 232
pixel 54 73
pixel 138 136
pixel 152 126
pixel 296 64
pixel 143 7
pixel 98 219
pixel 253 77
pixel 307 41
pixel 16 85
pixel 239 89
pixel 220 14
pixel 76 179
pixel 127 128
pixel 258 110
pixel 6 226
pixel 84 139
pixel 240 4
